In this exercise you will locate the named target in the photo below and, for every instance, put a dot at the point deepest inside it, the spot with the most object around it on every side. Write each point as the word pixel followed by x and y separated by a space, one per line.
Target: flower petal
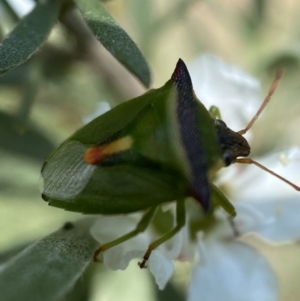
pixel 236 93
pixel 232 271
pixel 283 217
pixel 119 257
pixel 108 228
pixel 161 267
pixel 172 247
pixel 249 218
pixel 253 183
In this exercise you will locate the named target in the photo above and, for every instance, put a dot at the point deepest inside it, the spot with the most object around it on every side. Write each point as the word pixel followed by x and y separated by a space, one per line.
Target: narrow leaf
pixel 28 35
pixel 48 269
pixel 114 39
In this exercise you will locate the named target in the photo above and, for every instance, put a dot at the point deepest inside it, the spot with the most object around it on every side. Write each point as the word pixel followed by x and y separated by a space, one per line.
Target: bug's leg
pixel 180 222
pixel 233 226
pixel 219 197
pixel 141 227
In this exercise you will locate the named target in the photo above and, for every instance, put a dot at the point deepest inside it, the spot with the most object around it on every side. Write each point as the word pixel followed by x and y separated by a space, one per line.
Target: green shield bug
pixel 160 147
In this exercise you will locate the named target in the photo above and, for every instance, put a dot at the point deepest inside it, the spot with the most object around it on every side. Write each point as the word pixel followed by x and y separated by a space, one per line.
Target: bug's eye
pixel 227 158
pixel 220 123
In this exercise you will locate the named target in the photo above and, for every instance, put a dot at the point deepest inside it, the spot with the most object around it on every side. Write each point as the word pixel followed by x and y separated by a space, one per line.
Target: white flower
pixel 117 258
pixel 228 269
pixel 233 91
pixel 277 203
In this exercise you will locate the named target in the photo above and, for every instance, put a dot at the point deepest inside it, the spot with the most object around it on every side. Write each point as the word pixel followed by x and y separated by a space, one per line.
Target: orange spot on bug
pixel 93 155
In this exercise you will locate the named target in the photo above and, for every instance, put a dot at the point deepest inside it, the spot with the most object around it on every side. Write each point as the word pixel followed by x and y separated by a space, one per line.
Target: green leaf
pixel 48 269
pixel 28 35
pixel 83 289
pixel 114 39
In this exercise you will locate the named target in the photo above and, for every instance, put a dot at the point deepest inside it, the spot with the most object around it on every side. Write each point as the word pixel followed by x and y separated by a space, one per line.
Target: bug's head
pixel 232 144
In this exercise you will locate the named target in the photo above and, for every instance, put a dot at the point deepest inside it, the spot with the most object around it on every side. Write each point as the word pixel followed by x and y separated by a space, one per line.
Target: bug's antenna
pixel 272 89
pixel 250 161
